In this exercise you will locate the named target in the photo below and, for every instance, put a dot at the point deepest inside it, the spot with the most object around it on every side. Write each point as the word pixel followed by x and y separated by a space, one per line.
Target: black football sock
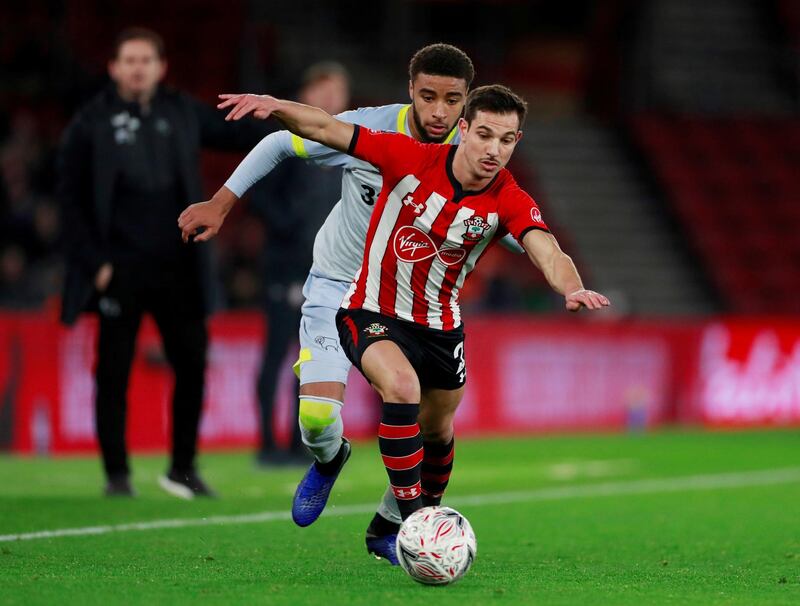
pixel 437 464
pixel 332 466
pixel 380 527
pixel 400 443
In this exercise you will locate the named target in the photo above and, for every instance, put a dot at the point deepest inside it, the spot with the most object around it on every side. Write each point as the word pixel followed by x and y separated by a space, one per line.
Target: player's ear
pixel 463 127
pixel 519 135
pixel 411 90
pixel 163 71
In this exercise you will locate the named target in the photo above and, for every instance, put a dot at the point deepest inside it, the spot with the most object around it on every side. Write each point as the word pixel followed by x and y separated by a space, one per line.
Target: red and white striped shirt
pixel 426 234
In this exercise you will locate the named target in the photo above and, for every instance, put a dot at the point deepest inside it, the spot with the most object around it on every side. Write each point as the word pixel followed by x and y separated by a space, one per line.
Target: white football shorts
pixel 321 354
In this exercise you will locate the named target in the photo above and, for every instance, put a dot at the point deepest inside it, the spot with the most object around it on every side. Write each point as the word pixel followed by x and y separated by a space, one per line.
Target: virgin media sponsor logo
pixel 411 245
pixel 761 384
pixel 451 256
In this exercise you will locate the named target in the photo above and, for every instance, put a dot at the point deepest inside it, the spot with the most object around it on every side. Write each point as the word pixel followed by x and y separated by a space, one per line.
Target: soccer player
pixel 439 78
pixel 438 211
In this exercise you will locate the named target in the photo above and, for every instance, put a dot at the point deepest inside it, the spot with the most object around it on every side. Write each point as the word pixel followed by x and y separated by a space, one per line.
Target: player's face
pixel 331 94
pixel 436 106
pixel 137 69
pixel 489 141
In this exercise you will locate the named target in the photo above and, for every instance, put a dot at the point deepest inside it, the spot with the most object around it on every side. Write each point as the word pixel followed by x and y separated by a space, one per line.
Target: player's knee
pixel 436 434
pixel 316 414
pixel 401 386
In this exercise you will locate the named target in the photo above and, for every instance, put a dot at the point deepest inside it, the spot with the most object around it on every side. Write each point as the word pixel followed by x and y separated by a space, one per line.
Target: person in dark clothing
pixel 128 162
pixel 293 203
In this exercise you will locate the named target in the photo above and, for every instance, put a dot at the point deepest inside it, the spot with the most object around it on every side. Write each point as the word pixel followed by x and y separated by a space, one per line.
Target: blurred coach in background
pixel 129 160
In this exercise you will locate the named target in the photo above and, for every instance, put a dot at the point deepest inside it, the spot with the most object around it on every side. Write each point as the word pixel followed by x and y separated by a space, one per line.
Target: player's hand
pixel 205 216
pixel 261 106
pixel 103 277
pixel 586 298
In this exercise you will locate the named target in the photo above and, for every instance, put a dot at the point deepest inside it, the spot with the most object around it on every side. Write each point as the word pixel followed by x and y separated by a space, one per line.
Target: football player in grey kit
pixel 440 76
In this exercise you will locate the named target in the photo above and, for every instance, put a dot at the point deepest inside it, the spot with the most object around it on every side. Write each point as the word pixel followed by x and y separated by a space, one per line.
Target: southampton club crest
pixel 476 228
pixel 376 330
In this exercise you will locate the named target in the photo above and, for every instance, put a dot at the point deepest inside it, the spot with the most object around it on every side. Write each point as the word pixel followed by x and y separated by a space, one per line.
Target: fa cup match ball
pixel 436 545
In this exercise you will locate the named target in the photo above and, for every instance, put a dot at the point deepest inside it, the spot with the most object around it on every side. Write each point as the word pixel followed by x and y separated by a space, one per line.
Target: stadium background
pixel 663 145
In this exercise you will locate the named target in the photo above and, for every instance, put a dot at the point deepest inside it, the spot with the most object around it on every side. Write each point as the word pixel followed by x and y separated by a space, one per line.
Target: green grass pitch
pixel 676 517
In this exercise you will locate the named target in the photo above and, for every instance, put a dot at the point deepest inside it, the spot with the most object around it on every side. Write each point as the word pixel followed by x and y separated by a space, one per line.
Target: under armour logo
pixel 409 201
pixel 411 492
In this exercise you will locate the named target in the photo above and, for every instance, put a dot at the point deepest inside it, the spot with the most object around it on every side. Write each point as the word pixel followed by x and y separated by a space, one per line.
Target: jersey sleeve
pixel 392 153
pixel 519 214
pixel 320 154
pixel 277 147
pixel 377 118
pixel 270 151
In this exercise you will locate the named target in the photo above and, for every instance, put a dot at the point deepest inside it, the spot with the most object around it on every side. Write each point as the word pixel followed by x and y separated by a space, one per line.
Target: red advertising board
pixel 525 374
pixel 749 373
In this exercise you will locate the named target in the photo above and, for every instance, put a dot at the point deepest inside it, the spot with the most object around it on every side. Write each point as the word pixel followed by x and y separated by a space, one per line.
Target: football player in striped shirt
pixel 439 78
pixel 440 208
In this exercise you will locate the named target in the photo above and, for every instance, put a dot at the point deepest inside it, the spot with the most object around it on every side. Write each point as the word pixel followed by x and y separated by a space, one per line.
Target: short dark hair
pixel 138 33
pixel 497 99
pixel 442 60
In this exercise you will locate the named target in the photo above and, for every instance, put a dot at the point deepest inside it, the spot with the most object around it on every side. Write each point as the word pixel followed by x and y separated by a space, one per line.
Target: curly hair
pixel 442 60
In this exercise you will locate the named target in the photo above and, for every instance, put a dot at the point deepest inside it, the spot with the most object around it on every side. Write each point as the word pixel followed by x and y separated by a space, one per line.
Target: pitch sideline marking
pixel 605 489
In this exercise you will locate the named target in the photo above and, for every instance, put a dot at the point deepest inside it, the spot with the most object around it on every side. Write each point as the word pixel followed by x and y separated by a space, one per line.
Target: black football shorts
pixel 436 355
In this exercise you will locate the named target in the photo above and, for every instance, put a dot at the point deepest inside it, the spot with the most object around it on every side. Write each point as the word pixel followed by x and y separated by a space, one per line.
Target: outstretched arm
pixel 262 159
pixel 210 215
pixel 559 270
pixel 303 120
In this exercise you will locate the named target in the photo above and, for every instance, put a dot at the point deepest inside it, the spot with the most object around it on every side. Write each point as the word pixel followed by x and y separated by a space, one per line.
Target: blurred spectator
pixel 293 203
pixel 15 288
pixel 127 166
pixel 28 218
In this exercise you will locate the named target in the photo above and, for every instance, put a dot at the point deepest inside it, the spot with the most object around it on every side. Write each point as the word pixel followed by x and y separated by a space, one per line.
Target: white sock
pixel 321 426
pixel 388 508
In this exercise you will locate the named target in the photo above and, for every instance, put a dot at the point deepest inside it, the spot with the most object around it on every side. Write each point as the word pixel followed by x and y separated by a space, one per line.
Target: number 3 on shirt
pixel 369 195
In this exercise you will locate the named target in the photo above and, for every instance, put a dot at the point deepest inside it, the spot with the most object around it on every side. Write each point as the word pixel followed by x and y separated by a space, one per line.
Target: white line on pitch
pixel 605 489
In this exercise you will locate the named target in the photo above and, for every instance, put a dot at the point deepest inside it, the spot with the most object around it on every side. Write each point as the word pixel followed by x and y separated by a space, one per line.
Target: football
pixel 436 545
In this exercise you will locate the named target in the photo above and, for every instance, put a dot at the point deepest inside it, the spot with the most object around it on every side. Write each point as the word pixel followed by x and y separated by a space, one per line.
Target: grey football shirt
pixel 339 244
